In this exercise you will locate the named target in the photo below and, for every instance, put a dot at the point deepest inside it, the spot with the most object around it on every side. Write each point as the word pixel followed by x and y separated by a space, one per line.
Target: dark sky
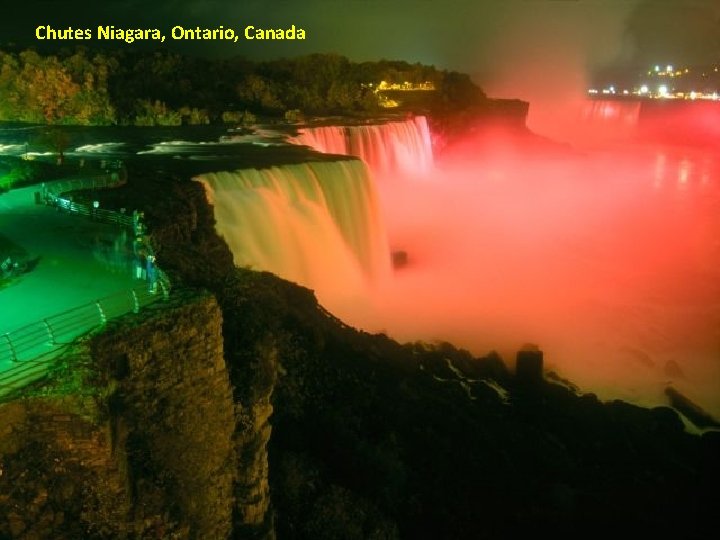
pixel 502 42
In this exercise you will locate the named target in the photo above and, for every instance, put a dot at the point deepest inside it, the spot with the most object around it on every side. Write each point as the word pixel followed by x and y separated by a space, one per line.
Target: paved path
pixel 79 260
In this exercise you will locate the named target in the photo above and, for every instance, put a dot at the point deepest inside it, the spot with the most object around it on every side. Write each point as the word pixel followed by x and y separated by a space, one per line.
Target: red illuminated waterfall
pixel 607 258
pixel 316 223
pixel 393 147
pixel 684 121
pixel 618 114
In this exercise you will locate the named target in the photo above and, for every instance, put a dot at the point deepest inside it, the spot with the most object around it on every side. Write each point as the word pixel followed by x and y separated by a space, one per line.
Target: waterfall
pixel 618 114
pixel 315 223
pixel 394 147
pixel 683 121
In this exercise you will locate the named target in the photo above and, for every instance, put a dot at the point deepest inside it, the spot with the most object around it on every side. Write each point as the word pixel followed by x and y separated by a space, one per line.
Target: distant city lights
pixel 691 83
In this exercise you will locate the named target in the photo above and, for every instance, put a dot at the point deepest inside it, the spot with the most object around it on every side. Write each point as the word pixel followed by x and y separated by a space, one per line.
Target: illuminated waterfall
pixel 317 224
pixel 394 147
pixel 684 121
pixel 623 115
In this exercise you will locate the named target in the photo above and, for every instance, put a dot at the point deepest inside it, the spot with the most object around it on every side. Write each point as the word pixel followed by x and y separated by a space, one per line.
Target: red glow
pixel 608 257
pixel 609 260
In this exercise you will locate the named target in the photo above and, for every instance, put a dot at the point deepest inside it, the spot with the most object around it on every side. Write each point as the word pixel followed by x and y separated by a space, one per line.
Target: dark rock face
pixel 58 475
pixel 172 413
pixel 692 411
pixel 143 447
pixel 529 366
pixel 399 259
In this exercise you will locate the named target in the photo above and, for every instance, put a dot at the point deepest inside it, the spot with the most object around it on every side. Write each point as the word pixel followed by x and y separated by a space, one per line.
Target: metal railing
pixel 97 214
pixel 27 352
pixel 52 192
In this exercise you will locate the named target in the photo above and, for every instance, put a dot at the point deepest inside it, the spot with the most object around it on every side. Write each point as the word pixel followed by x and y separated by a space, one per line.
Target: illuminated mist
pixel 609 260
pixel 546 53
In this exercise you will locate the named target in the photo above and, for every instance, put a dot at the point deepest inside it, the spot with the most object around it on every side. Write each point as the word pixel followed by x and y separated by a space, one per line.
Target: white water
pixel 12 149
pixel 100 148
pixel 391 148
pixel 317 224
pixel 616 114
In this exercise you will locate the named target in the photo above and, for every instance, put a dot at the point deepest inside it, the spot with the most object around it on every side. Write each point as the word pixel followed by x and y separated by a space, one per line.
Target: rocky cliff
pixel 134 438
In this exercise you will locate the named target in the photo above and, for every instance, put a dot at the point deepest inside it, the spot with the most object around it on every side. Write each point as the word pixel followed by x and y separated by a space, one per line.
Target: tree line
pixel 85 87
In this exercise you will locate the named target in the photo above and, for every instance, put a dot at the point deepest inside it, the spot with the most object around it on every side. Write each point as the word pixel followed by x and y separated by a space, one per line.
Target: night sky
pixel 503 43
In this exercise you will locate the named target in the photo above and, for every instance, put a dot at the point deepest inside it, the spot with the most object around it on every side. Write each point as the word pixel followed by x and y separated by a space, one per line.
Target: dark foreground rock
pixel 692 411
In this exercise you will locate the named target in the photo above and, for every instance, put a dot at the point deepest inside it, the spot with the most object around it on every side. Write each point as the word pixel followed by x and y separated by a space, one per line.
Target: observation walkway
pixel 76 261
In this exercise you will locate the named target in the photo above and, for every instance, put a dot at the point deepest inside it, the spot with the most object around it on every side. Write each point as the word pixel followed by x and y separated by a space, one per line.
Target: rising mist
pixel 608 259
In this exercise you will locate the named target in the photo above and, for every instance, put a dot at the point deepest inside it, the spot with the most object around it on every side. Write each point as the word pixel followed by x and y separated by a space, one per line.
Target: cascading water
pixel 607 258
pixel 623 113
pixel 315 223
pixel 394 147
pixel 676 121
pixel 611 118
